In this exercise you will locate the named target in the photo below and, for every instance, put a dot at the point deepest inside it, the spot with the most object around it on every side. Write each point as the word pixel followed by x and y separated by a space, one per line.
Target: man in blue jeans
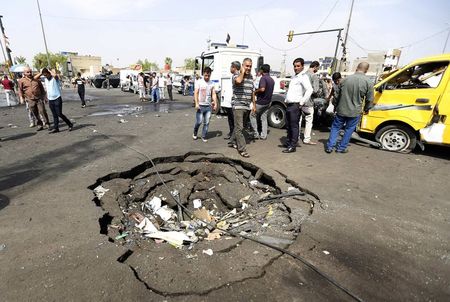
pixel 205 101
pixel 355 91
pixel 53 87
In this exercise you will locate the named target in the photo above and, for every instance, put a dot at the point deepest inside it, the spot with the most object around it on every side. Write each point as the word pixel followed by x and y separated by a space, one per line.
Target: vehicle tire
pixel 396 138
pixel 277 116
pixel 115 85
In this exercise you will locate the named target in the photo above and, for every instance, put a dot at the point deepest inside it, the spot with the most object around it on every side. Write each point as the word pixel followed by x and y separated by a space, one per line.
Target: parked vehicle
pixel 412 106
pixel 128 80
pixel 99 80
pixel 219 58
pixel 176 83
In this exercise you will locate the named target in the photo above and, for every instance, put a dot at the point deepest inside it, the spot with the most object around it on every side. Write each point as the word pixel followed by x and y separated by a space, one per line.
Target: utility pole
pixel 344 44
pixel 446 40
pixel 8 51
pixel 43 34
pixel 283 66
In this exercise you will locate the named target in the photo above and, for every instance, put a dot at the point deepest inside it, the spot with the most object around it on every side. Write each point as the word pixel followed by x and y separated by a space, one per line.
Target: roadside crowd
pixel 153 86
pixel 32 93
pixel 251 99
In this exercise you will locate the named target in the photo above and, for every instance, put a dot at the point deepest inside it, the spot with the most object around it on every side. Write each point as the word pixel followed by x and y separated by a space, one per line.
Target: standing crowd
pixel 154 86
pixel 308 98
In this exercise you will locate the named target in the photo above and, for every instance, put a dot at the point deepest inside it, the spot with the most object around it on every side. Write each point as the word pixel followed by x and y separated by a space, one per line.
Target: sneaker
pixel 32 125
pixel 204 140
pixel 194 137
pixel 54 131
pixel 342 151
pixel 328 151
pixel 83 106
pixel 40 128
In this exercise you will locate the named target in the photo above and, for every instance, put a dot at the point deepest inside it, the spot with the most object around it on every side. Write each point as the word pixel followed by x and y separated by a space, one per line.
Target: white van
pixel 219 58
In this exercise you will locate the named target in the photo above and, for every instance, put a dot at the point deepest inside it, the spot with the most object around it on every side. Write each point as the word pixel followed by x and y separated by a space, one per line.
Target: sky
pixel 123 31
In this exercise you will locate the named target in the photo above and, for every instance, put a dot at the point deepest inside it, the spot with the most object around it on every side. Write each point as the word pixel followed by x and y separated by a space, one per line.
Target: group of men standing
pixel 32 93
pixel 251 99
pixel 154 86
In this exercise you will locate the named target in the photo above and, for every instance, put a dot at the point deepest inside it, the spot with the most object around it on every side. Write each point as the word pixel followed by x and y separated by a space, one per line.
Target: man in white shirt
pixel 205 101
pixel 53 88
pixel 299 92
pixel 161 86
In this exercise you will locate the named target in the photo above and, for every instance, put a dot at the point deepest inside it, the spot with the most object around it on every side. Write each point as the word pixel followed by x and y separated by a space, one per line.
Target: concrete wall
pixel 87 65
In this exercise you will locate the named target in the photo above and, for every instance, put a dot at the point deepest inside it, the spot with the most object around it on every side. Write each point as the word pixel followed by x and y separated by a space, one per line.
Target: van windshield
pixel 427 75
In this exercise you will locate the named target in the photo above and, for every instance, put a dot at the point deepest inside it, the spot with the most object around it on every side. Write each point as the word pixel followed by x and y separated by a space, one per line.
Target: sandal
pixel 244 154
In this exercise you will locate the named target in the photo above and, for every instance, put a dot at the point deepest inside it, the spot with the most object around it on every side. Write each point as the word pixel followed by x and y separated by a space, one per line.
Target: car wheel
pixel 277 116
pixel 396 138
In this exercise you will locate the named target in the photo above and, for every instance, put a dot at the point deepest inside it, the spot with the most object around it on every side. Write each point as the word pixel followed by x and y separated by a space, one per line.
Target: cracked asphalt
pixel 382 230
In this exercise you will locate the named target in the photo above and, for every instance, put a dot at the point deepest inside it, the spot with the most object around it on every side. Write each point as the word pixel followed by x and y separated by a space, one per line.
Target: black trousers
pixel 292 119
pixel 169 91
pixel 56 108
pixel 81 94
pixel 230 117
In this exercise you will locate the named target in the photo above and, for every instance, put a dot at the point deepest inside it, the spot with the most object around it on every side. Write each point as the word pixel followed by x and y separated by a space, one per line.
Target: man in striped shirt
pixel 243 96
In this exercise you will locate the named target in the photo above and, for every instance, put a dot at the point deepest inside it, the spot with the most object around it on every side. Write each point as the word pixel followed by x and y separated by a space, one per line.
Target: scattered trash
pixel 94 130
pixel 255 253
pixel 326 252
pixel 203 204
pixel 189 256
pixel 122 121
pixel 208 252
pixel 2 247
pixel 100 191
pixel 203 214
pixel 123 235
pixel 12 126
pixel 161 258
pixel 120 115
pixel 253 182
pixel 214 235
pixel 147 226
pixel 176 239
pixel 157 115
pixel 197 203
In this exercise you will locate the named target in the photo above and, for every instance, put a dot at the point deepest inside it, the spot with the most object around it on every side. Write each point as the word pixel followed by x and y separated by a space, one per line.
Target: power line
pixel 302 44
pixel 424 39
pixel 361 47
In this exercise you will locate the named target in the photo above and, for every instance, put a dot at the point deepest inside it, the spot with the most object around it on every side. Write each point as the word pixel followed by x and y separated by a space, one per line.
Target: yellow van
pixel 412 106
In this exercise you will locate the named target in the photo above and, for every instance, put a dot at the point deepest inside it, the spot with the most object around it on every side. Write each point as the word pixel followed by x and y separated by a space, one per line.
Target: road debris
pixel 198 200
pixel 100 191
pixel 208 252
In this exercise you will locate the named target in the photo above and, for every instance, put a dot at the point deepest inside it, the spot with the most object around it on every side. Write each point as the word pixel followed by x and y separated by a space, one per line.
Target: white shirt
pixel 161 82
pixel 204 92
pixel 300 89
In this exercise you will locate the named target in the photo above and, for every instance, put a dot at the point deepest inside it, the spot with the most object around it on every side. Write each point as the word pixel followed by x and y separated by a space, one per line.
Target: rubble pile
pixel 194 200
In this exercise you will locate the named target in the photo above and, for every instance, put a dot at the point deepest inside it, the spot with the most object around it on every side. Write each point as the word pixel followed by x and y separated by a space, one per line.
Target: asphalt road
pixel 382 231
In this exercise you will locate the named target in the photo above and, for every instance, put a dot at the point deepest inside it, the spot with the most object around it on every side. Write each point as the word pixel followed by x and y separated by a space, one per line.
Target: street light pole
pixel 43 34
